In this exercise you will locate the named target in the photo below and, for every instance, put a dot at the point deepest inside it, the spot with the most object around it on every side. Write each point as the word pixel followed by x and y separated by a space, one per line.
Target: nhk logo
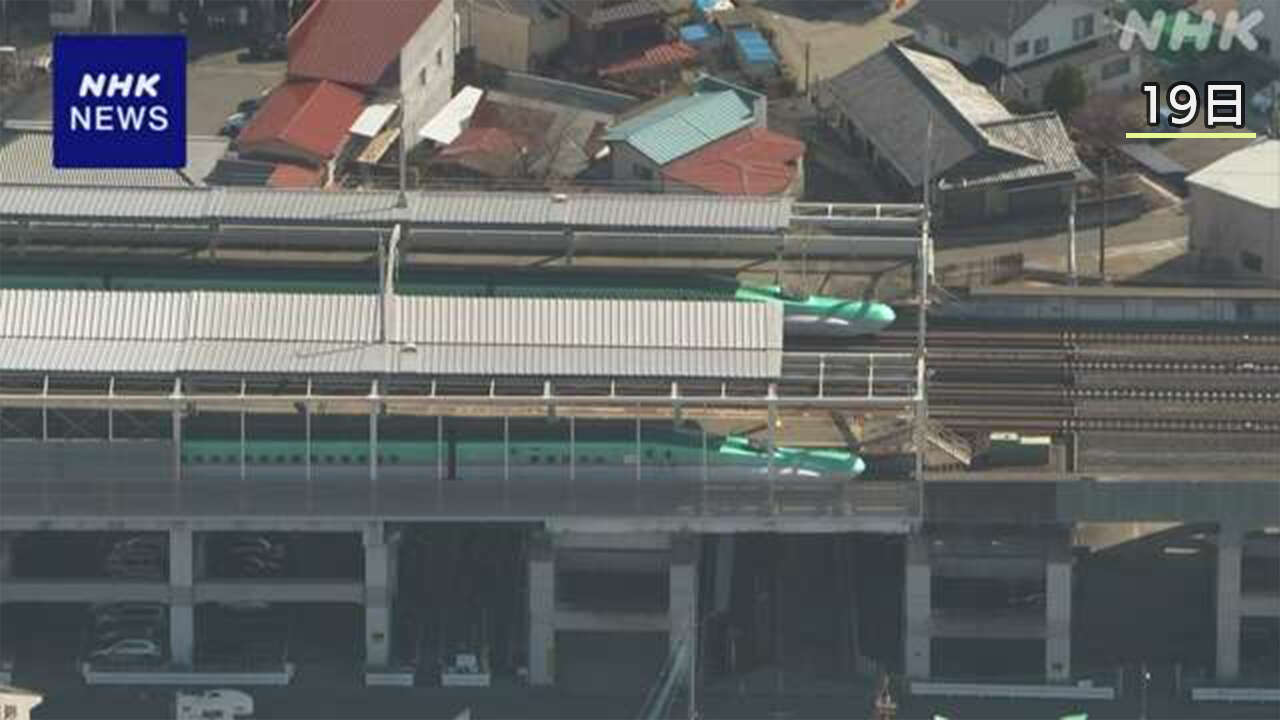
pixel 1188 26
pixel 119 101
pixel 101 117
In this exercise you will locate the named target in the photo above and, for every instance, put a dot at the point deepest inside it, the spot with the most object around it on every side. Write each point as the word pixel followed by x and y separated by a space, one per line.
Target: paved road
pixel 839 34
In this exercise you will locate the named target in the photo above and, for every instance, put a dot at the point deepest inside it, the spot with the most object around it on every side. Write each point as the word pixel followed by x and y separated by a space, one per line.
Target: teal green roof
pixel 679 127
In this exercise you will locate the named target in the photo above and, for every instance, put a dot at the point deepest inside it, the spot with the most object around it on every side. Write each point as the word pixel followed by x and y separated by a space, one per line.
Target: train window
pixel 668 454
pixel 345 459
pixel 328 459
pixel 649 453
pixel 279 459
pixel 297 459
pixel 564 458
pixel 315 459
pixel 362 459
pixel 395 459
pixel 584 459
pixel 264 459
pixel 381 459
pixel 198 459
pixel 600 459
pixel 551 459
pixel 533 459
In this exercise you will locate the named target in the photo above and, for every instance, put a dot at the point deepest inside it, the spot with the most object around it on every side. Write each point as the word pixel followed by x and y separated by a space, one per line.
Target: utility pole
pixel 402 200
pixel 806 67
pixel 1102 229
pixel 111 16
pixel 1072 275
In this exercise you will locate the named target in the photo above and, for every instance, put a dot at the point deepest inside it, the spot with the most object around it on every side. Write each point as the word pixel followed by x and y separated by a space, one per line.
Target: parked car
pixel 257 545
pixel 129 612
pixel 114 632
pixel 259 566
pixel 268 47
pixel 234 123
pixel 137 649
pixel 138 566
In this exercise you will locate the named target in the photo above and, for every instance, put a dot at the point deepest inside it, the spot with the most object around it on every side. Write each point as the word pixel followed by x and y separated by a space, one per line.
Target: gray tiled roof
pixel 1042 136
pixel 1002 17
pixel 601 12
pixel 974 138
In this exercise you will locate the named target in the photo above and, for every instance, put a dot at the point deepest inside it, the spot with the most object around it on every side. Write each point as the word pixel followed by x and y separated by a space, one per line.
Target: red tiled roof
pixel 672 53
pixel 353 41
pixel 749 162
pixel 287 175
pixel 311 116
pixel 489 150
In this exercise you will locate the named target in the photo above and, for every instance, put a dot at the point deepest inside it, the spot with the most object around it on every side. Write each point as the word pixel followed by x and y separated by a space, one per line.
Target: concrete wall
pixel 426 68
pixel 1223 227
pixel 500 38
pixel 625 160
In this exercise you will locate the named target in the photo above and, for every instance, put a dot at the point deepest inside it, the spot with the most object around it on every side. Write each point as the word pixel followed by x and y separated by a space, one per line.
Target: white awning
pixel 372 119
pixel 452 119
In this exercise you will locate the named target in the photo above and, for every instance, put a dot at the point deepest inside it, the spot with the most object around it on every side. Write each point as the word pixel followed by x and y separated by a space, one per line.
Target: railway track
pixel 1064 339
pixel 946 393
pixel 1061 420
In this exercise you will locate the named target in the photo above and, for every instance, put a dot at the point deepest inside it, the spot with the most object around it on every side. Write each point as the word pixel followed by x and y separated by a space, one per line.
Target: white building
pixel 16 703
pixel 1016 45
pixel 1235 213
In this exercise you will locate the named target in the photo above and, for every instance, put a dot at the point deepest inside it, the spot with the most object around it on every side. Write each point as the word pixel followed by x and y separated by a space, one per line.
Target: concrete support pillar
pixel 682 606
pixel 1230 542
pixel 379 594
pixel 918 608
pixel 6 556
pixel 542 611
pixel 1057 623
pixel 181 608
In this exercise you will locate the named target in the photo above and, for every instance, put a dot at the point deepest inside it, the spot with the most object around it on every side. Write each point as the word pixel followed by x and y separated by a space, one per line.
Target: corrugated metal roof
pixel 683 125
pixel 1251 174
pixel 259 205
pixel 26 157
pixel 103 331
pixel 45 201
pixel 93 315
pixel 694 212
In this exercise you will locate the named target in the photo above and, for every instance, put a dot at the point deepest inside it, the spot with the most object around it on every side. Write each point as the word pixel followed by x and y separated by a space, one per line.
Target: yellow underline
pixel 1191 135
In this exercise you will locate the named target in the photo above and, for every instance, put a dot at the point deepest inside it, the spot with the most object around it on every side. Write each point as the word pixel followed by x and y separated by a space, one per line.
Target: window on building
pixel 439 57
pixel 1251 261
pixel 1042 45
pixel 422 76
pixel 953 40
pixel 1021 48
pixel 641 172
pixel 1116 68
pixel 1082 27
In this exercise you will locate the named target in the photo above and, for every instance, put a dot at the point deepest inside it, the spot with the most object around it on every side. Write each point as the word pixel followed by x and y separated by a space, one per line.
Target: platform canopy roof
pixel 118 332
pixel 256 206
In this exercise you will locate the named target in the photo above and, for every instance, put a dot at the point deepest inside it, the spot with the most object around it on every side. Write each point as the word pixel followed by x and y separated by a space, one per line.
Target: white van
pixel 214 705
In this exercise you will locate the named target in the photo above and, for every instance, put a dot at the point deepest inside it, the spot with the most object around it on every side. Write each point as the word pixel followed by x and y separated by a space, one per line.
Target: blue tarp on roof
pixel 698 33
pixel 755 49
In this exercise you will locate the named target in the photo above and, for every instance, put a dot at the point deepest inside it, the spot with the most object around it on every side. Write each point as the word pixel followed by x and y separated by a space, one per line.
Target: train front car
pixel 828 464
pixel 820 315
